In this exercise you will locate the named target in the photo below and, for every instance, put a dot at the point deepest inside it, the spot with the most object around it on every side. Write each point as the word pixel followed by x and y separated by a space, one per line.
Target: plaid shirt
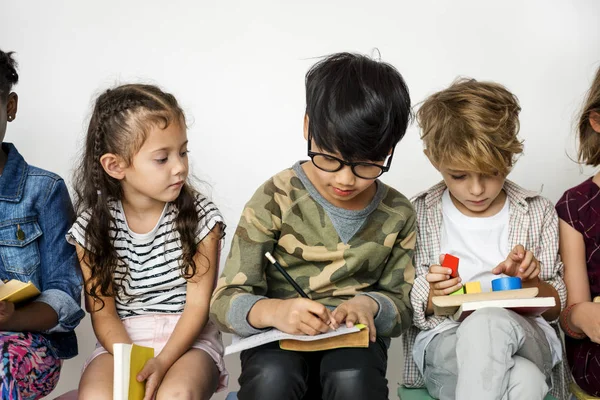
pixel 533 223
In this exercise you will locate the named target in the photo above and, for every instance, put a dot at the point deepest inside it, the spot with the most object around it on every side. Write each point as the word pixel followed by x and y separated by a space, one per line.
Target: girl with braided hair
pixel 148 245
pixel 35 214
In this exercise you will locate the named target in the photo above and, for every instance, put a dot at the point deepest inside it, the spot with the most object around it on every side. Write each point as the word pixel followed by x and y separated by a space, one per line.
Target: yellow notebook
pixel 129 361
pixel 16 291
pixel 353 339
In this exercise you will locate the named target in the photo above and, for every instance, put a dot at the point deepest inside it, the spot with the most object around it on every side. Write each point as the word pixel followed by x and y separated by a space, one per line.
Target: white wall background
pixel 238 68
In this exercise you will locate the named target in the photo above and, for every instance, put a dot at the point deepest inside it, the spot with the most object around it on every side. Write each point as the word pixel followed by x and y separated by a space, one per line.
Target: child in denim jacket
pixel 35 215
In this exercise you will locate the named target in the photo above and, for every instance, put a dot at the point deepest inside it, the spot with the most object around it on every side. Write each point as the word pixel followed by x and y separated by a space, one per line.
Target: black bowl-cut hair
pixel 356 106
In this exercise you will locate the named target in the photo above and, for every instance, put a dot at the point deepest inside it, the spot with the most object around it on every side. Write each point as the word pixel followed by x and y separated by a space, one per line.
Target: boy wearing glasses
pixel 345 237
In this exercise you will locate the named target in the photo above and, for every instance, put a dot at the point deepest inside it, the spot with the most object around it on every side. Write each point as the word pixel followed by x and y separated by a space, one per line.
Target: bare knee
pixel 184 390
pixel 93 392
pixel 97 380
pixel 178 393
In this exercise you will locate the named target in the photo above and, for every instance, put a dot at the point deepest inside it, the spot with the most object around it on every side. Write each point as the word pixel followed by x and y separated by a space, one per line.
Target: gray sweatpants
pixel 494 354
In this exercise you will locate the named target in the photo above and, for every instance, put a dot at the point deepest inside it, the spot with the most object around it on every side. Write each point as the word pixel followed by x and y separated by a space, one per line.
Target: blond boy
pixel 496 229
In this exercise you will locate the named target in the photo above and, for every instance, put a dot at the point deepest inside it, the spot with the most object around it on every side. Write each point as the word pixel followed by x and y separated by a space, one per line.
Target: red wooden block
pixel 451 262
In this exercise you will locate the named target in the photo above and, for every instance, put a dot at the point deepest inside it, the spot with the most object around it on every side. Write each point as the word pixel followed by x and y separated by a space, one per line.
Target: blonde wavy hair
pixel 589 140
pixel 472 125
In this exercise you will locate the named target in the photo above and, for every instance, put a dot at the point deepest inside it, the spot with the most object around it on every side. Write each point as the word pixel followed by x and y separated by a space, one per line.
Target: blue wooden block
pixel 506 283
pixel 231 396
pixel 422 394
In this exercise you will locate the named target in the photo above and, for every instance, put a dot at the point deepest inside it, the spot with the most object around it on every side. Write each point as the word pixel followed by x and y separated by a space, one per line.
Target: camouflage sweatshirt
pixel 286 217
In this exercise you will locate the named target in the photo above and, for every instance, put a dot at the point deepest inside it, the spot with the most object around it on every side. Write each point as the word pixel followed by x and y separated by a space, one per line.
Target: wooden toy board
pixel 532 307
pixel 448 305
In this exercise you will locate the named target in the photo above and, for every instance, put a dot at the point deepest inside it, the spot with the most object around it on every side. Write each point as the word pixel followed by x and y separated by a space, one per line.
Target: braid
pixel 96 177
pixel 106 113
pixel 120 121
pixel 104 257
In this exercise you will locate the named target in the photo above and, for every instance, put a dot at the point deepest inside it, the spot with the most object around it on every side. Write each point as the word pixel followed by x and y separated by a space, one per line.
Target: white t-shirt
pixel 151 261
pixel 480 244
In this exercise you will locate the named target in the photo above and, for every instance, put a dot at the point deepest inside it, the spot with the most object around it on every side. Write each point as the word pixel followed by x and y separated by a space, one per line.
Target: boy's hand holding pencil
pixel 295 316
pixel 303 316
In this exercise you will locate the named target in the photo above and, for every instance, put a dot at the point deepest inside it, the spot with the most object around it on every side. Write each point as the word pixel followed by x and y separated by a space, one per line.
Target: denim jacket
pixel 35 204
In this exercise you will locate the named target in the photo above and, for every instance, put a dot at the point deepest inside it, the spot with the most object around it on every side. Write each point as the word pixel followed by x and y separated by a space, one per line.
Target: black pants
pixel 342 374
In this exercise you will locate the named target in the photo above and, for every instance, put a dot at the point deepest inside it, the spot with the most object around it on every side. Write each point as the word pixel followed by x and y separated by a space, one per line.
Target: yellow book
pixel 352 339
pixel 129 361
pixel 16 291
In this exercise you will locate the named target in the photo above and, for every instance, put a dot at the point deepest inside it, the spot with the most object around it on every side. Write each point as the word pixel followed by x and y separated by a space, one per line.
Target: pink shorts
pixel 155 329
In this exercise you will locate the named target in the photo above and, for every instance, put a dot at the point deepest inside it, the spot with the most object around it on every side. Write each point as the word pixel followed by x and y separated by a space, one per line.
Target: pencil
pixel 286 275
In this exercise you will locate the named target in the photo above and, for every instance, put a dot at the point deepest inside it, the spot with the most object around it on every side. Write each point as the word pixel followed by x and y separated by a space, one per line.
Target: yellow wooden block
pixel 580 394
pixel 473 287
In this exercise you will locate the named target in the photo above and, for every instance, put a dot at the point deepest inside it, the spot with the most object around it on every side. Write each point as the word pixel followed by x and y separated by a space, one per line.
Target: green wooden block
pixel 422 394
pixel 459 291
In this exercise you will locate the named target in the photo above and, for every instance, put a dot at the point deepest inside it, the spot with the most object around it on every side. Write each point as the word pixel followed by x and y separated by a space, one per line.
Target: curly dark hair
pixel 8 74
pixel 119 124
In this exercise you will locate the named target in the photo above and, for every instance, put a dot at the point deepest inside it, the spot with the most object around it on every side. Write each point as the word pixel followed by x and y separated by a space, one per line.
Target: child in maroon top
pixel 579 212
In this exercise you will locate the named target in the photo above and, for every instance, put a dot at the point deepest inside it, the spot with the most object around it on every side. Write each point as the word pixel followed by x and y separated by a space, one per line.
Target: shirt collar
pixel 12 181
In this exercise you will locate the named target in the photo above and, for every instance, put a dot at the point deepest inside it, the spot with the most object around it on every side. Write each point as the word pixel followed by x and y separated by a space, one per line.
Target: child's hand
pixel 153 373
pixel 359 309
pixel 303 316
pixel 520 263
pixel 587 317
pixel 7 309
pixel 440 281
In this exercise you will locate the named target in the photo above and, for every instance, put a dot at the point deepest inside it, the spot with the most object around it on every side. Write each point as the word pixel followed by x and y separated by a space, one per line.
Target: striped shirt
pixel 533 223
pixel 150 262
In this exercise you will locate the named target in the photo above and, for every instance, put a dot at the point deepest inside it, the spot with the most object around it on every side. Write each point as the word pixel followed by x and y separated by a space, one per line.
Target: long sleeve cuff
pixel 237 316
pixel 387 317
pixel 68 311
pixel 419 297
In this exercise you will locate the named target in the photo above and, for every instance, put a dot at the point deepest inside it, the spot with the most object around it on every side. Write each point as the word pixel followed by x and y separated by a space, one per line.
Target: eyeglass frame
pixel 384 168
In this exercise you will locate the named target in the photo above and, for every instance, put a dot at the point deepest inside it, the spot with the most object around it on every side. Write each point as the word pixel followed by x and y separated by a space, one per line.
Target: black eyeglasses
pixel 364 170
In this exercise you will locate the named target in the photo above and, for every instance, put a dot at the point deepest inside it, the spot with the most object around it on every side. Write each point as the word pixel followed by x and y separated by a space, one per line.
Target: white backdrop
pixel 238 68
